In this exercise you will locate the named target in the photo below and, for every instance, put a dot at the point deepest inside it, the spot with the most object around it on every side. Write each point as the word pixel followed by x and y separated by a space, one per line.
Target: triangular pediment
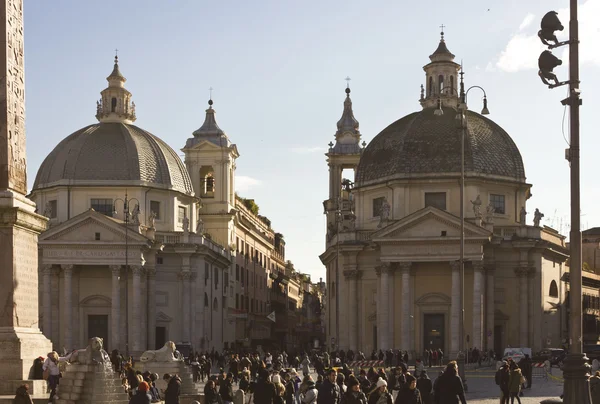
pixel 429 223
pixel 83 228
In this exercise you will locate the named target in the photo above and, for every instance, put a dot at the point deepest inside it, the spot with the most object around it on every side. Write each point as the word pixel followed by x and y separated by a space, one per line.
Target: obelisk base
pixel 20 338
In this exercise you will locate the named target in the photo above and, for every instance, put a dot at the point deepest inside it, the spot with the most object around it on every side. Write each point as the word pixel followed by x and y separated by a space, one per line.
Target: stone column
pixel 490 308
pixel 185 277
pixel 477 338
pixel 151 307
pixel 455 310
pixel 383 306
pixel 522 273
pixel 144 311
pixel 68 301
pixel 405 334
pixel 136 307
pixel 391 305
pixel 115 306
pixel 351 280
pixel 193 328
pixel 47 300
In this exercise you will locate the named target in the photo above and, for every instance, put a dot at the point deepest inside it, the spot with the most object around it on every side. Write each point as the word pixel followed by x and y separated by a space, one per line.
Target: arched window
pixel 441 82
pixel 113 104
pixel 215 304
pixel 451 85
pixel 205 300
pixel 430 87
pixel 553 289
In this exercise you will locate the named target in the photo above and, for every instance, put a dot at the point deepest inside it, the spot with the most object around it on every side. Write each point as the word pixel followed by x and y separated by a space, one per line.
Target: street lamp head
pixel 439 111
pixel 485 110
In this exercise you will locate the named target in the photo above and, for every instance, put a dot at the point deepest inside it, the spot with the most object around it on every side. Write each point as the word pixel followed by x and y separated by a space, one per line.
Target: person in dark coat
pixel 210 394
pixel 595 387
pixel 527 369
pixel 502 378
pixel 226 389
pixel 173 389
pixel 141 396
pixel 425 387
pixel 354 395
pixel 22 395
pixel 409 393
pixel 264 390
pixel 329 393
pixel 449 387
pixel 290 389
pixel 38 368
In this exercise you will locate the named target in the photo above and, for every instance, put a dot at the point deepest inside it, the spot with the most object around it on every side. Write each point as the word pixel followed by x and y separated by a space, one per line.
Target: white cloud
pixel 307 150
pixel 244 183
pixel 524 47
pixel 526 21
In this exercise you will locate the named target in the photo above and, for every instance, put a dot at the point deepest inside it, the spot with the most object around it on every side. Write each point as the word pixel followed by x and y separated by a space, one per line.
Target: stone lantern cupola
pixel 115 104
pixel 441 76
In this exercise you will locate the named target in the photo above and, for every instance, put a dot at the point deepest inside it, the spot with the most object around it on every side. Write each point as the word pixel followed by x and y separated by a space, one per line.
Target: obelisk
pixel 20 338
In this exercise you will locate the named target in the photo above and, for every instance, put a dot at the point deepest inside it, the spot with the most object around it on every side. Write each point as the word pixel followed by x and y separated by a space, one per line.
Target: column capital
pixel 47 269
pixel 137 269
pixel 477 265
pixel 524 272
pixel 151 272
pixel 455 265
pixel 383 268
pixel 115 269
pixel 185 275
pixel 352 274
pixel 490 268
pixel 67 269
pixel 404 266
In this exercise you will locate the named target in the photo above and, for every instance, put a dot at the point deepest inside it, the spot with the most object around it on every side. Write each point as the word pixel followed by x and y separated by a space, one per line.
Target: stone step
pixel 38 399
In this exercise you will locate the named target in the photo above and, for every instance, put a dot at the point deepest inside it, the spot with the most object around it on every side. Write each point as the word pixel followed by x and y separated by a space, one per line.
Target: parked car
pixel 555 356
pixel 516 354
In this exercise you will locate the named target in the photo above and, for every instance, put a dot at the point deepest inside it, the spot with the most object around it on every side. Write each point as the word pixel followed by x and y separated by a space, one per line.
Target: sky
pixel 278 70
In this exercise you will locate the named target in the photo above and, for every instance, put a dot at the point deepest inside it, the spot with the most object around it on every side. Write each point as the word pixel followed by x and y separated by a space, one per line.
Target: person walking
pixel 210 394
pixel 330 391
pixel 425 386
pixel 502 379
pixel 527 369
pixel 449 387
pixel 514 383
pixel 226 389
pixel 409 394
pixel 264 390
pixel 353 395
pixel 173 390
pixel 380 395
pixel 595 387
pixel 310 394
pixel 51 373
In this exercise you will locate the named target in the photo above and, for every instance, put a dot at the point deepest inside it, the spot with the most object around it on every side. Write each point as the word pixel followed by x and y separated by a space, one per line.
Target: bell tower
pixel 441 77
pixel 344 154
pixel 115 104
pixel 210 160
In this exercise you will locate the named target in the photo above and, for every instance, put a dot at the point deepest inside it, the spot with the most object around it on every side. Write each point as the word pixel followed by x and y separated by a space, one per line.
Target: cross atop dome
pixel 115 105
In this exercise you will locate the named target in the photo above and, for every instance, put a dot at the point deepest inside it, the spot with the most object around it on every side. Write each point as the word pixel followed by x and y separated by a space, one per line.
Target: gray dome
pixel 114 153
pixel 425 145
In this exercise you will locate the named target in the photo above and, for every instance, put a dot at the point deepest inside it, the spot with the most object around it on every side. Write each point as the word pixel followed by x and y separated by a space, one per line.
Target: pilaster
pixel 405 332
pixel 115 305
pixel 68 305
pixel 478 285
pixel 137 271
pixel 455 310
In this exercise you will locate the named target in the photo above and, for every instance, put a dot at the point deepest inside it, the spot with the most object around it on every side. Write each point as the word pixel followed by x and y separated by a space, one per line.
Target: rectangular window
pixel 155 207
pixel 181 214
pixel 242 276
pixel 97 236
pixel 159 260
pixel 436 200
pixel 498 203
pixel 52 209
pixel 104 206
pixel 377 203
pixel 237 273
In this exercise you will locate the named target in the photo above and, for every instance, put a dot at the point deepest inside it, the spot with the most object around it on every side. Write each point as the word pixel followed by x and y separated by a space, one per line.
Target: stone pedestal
pixel 83 384
pixel 21 340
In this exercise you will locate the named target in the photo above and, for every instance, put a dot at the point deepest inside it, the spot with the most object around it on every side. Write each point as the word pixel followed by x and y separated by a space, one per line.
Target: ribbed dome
pixel 115 154
pixel 425 145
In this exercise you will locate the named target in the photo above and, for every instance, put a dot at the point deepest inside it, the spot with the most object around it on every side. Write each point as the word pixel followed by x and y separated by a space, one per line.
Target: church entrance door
pixel 98 327
pixel 434 331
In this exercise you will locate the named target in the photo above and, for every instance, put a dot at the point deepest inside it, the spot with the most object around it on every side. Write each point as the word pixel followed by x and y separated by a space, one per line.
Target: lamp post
pixel 462 124
pixel 576 369
pixel 126 215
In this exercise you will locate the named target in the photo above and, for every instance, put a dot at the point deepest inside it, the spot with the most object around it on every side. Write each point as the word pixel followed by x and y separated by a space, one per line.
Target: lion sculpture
pixel 90 355
pixel 167 353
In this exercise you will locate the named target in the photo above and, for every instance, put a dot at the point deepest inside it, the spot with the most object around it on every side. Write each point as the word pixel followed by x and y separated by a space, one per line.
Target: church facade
pixel 143 248
pixel 394 233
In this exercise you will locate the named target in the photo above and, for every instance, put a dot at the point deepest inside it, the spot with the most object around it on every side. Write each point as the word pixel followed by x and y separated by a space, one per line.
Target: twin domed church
pixel 139 245
pixel 393 243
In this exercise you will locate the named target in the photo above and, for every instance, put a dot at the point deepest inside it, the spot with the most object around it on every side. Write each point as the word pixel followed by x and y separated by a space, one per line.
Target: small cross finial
pixel 442 33
pixel 347 81
pixel 210 90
